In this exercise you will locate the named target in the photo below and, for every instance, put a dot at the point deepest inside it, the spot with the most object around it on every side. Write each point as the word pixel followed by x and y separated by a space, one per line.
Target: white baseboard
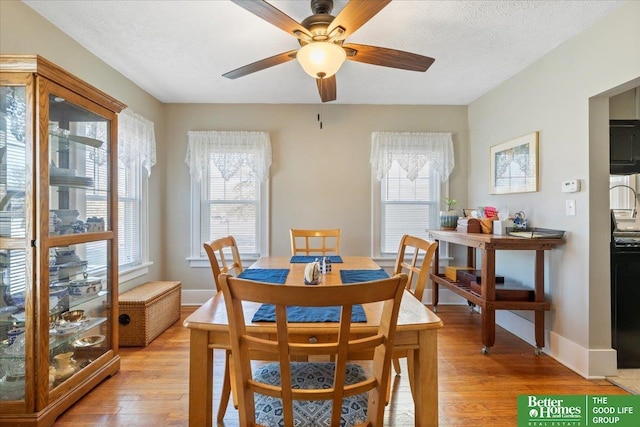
pixel 196 296
pixel 589 363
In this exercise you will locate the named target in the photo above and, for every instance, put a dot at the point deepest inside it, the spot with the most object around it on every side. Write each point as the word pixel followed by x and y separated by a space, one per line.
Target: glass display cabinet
pixel 58 239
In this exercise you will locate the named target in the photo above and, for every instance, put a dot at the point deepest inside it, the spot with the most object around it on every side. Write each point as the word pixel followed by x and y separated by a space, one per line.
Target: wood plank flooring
pixel 151 388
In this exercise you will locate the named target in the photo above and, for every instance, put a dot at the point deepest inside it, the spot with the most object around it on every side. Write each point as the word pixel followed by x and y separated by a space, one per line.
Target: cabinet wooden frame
pixel 41 79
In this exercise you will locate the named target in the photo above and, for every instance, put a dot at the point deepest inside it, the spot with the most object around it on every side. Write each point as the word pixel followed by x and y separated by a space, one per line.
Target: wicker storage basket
pixel 148 310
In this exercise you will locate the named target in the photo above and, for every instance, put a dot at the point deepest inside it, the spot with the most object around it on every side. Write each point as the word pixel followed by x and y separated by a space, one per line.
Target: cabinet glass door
pixel 78 169
pixel 79 252
pixel 79 299
pixel 14 281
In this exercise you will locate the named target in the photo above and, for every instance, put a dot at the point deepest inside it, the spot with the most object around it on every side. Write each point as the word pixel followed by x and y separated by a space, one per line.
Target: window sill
pixel 134 272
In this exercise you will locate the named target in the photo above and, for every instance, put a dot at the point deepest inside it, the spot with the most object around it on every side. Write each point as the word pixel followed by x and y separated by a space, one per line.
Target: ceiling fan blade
pixel 387 57
pixel 261 65
pixel 275 16
pixel 327 88
pixel 355 14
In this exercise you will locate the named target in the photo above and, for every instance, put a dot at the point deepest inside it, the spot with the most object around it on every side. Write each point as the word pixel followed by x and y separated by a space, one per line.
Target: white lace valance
pixel 229 150
pixel 412 150
pixel 136 139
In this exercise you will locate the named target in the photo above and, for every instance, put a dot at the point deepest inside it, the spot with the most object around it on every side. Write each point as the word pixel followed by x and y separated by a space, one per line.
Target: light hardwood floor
pixel 151 388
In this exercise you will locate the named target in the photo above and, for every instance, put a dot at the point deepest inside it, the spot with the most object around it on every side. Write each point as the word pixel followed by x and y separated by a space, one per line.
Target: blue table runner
pixel 268 275
pixel 357 276
pixel 297 259
pixel 296 314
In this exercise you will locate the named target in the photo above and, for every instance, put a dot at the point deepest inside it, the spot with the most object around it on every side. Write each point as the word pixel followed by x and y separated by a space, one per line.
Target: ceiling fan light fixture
pixel 321 59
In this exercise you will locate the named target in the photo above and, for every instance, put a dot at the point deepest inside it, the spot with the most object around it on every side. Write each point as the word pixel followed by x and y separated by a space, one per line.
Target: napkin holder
pixel 312 273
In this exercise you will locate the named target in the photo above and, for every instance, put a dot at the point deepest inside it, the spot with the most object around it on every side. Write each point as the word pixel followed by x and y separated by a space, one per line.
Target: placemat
pixel 297 259
pixel 295 314
pixel 356 276
pixel 268 275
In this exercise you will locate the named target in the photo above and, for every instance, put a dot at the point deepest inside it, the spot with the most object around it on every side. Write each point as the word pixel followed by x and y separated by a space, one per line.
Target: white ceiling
pixel 178 50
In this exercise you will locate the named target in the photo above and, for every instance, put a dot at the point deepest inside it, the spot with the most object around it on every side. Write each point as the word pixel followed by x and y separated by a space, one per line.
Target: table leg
pixel 539 297
pixel 423 368
pixel 200 379
pixel 488 286
pixel 436 270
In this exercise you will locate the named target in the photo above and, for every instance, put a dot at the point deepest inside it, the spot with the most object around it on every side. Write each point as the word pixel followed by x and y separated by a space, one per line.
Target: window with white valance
pixel 136 157
pixel 136 140
pixel 411 172
pixel 412 151
pixel 228 151
pixel 229 176
pixel 136 153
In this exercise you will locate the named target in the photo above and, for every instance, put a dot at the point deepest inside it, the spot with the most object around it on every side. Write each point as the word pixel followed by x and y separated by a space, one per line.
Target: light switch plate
pixel 570 207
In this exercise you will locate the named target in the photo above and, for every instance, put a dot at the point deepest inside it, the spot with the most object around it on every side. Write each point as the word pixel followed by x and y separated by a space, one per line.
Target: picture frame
pixel 514 165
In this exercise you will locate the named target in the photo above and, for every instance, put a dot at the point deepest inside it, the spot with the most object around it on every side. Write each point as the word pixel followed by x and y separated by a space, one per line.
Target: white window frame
pixel 413 151
pixel 198 259
pixel 137 147
pixel 251 147
pixel 133 271
pixel 376 221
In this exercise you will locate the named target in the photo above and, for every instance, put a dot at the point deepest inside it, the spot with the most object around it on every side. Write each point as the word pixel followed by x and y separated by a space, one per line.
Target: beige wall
pixel 319 177
pixel 625 106
pixel 553 96
pixel 23 31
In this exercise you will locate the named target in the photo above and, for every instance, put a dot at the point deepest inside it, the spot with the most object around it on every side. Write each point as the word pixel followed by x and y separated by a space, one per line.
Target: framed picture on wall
pixel 514 165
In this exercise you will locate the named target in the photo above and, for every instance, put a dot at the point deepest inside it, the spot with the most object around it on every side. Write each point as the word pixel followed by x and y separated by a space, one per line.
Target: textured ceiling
pixel 178 50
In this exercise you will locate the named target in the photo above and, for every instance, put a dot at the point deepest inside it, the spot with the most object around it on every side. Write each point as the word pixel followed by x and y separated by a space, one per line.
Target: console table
pixel 488 244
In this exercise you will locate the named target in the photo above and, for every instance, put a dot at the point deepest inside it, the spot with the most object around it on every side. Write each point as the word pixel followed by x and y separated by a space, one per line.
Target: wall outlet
pixel 570 207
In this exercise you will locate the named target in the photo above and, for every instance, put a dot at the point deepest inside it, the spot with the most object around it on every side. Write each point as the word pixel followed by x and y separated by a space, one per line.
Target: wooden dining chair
pixel 311 242
pixel 290 393
pixel 415 256
pixel 224 257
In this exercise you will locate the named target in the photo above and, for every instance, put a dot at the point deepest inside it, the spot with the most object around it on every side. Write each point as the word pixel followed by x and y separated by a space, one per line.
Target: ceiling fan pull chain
pixel 320 76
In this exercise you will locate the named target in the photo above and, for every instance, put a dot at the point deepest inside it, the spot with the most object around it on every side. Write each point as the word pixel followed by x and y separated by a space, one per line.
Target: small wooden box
pixel 148 310
pixel 468 276
pixel 508 292
pixel 451 272
pixel 468 225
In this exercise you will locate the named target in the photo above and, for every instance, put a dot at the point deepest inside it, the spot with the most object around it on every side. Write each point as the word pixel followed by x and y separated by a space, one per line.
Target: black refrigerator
pixel 625 304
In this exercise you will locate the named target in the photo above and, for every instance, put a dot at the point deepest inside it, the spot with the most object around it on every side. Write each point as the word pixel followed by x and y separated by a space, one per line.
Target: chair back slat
pixel 315 242
pixel 387 292
pixel 421 254
pixel 217 251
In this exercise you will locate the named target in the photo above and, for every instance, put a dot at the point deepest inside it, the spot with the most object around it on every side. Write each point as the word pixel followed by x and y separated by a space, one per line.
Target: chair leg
pixel 396 365
pixel 226 388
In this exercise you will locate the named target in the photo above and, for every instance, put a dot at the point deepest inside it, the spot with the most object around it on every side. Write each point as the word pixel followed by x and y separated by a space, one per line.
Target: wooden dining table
pixel 416 333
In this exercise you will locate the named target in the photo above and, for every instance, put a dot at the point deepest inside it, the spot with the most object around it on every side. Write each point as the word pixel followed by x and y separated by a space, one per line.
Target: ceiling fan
pixel 322 48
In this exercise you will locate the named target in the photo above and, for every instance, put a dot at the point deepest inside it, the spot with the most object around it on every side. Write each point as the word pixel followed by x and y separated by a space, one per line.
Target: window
pixel 622 195
pixel 130 215
pixel 229 184
pixel 131 209
pixel 136 155
pixel 410 172
pixel 407 207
